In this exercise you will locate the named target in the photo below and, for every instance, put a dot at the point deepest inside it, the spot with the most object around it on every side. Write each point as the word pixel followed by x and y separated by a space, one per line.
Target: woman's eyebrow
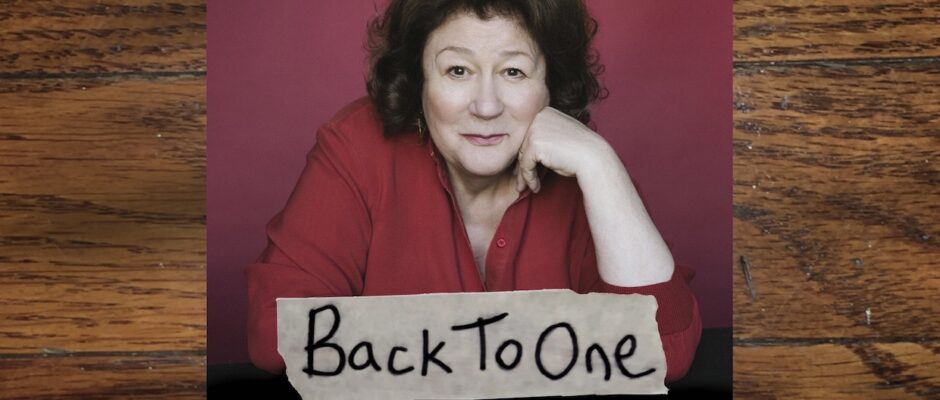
pixel 512 53
pixel 456 49
pixel 505 53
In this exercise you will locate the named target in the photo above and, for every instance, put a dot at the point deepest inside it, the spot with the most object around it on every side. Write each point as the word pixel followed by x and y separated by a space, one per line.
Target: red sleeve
pixel 680 326
pixel 317 245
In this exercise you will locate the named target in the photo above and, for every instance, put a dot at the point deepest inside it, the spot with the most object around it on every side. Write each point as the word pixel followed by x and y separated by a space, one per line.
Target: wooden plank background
pixel 102 199
pixel 837 199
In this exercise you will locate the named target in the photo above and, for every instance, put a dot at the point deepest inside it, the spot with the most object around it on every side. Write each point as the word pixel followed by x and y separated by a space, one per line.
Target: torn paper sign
pixel 471 345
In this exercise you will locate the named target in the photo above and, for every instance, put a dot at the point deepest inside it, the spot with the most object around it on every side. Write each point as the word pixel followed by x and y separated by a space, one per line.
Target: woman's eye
pixel 457 71
pixel 515 73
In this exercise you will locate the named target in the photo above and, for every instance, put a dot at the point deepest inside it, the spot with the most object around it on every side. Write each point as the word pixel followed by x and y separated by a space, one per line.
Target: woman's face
pixel 484 84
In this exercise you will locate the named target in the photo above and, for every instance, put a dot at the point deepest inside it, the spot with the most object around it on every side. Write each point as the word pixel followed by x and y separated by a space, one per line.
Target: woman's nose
pixel 487 103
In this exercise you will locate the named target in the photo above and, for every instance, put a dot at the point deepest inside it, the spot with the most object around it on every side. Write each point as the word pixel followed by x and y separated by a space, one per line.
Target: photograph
pixel 411 147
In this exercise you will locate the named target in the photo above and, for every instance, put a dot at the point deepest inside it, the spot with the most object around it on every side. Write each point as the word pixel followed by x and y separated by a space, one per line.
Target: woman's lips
pixel 484 140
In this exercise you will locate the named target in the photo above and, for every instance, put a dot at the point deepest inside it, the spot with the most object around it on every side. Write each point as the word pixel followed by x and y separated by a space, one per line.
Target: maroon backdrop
pixel 277 70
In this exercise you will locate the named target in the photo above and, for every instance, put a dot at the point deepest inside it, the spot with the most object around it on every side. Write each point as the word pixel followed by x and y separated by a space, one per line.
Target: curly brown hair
pixel 562 29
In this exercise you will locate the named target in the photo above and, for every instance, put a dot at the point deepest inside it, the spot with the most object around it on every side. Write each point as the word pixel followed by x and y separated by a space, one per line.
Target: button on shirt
pixel 372 215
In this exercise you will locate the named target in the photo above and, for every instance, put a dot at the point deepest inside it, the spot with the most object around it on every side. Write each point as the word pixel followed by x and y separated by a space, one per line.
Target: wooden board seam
pixel 815 341
pixel 97 75
pixel 837 62
pixel 58 353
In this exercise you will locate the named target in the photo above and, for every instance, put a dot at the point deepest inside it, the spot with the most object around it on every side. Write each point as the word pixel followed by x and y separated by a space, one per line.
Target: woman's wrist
pixel 630 251
pixel 603 171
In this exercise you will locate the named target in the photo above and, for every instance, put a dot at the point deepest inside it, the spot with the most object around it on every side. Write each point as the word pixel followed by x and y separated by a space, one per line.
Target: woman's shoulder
pixel 359 116
pixel 359 110
pixel 358 126
pixel 354 140
pixel 352 134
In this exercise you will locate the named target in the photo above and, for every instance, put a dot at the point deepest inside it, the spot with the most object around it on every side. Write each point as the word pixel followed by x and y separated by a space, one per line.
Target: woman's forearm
pixel 630 251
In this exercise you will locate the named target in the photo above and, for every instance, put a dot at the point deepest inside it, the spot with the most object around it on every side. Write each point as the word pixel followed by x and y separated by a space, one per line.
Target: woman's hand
pixel 629 249
pixel 564 145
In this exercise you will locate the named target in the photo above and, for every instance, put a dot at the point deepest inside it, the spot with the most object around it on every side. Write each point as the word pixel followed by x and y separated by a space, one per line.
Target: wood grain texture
pixel 836 219
pixel 833 371
pixel 102 199
pixel 49 37
pixel 132 148
pixel 104 376
pixel 837 200
pixel 767 30
pixel 103 207
pixel 102 226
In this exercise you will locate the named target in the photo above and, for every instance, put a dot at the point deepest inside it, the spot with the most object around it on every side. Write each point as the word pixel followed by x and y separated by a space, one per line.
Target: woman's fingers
pixel 520 183
pixel 528 172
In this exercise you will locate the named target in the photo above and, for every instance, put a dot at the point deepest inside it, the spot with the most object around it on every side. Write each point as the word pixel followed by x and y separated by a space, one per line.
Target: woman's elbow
pixel 680 348
pixel 262 335
pixel 262 349
pixel 267 360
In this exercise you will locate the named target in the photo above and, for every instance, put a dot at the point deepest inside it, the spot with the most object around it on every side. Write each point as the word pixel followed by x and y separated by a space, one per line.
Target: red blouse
pixel 377 216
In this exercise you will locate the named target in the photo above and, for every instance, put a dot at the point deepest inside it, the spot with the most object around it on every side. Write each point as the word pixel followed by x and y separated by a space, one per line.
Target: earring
pixel 421 127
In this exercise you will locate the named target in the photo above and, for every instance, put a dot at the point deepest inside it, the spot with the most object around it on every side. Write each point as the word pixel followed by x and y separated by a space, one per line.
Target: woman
pixel 511 192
